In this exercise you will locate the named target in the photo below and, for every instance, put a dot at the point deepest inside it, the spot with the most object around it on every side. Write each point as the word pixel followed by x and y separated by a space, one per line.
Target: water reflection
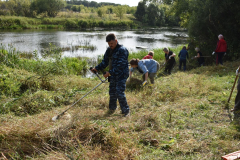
pixel 91 43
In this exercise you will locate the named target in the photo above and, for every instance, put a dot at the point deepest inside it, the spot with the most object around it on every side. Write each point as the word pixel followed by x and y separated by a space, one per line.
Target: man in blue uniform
pixel 116 57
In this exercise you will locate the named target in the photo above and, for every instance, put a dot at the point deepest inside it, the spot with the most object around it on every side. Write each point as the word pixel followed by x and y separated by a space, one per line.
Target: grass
pixel 159 55
pixel 183 116
pixel 67 21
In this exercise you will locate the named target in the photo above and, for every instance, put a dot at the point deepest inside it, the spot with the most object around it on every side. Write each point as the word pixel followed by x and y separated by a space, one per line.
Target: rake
pixel 62 113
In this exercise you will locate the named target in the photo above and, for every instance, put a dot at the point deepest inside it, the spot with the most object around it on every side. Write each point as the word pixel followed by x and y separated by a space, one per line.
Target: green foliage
pixel 56 65
pixel 8 84
pixel 19 7
pixel 51 7
pixel 120 11
pixel 207 19
pixel 159 55
pixel 155 13
pixel 71 24
pixel 141 10
pixel 52 23
pixel 76 8
pixel 101 11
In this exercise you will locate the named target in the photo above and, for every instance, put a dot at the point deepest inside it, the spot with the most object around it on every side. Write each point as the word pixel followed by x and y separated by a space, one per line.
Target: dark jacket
pixel 119 57
pixel 183 54
pixel 170 61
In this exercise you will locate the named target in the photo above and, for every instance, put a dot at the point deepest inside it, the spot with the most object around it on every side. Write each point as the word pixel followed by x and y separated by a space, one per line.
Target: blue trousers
pixel 117 92
pixel 182 61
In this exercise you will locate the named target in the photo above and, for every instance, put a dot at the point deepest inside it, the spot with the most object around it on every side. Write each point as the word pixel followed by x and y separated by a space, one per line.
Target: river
pixel 91 43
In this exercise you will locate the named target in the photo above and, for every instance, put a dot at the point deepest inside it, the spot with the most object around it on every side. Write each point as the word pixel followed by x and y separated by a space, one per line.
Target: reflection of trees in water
pixel 149 39
pixel 178 40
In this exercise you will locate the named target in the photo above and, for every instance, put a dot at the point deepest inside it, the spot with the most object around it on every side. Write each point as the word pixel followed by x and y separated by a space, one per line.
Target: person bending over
pixel 148 67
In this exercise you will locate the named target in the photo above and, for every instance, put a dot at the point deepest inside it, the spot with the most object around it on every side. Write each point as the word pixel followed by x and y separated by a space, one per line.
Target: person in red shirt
pixel 149 56
pixel 220 50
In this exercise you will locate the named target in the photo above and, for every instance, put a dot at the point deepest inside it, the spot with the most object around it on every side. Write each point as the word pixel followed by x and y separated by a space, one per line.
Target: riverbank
pixel 13 22
pixel 41 71
pixel 183 116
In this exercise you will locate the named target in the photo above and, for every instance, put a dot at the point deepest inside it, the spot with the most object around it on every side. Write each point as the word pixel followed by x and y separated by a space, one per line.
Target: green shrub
pixel 71 24
pixel 83 24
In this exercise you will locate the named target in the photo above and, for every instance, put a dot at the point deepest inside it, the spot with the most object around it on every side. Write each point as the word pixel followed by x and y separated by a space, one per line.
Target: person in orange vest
pixel 220 50
pixel 149 56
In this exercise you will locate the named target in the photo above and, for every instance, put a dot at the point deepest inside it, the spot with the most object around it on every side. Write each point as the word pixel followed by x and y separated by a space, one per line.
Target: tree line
pixel 89 3
pixel 31 8
pixel 50 8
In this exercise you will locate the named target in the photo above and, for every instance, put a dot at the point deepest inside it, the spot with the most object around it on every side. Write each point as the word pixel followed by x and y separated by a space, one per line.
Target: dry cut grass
pixel 183 116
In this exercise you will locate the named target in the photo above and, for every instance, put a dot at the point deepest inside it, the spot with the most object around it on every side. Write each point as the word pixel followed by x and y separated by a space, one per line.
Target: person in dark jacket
pixel 116 57
pixel 220 50
pixel 170 60
pixel 183 56
pixel 199 57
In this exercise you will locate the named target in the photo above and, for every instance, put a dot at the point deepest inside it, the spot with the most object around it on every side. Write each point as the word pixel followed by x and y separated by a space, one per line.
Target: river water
pixel 91 43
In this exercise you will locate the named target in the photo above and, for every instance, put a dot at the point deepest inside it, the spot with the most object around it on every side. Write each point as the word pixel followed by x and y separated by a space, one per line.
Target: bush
pixel 71 24
pixel 83 24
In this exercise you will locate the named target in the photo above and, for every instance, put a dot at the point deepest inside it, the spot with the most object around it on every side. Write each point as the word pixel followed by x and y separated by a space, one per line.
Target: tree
pixel 52 7
pixel 141 10
pixel 101 11
pixel 120 11
pixel 153 14
pixel 19 7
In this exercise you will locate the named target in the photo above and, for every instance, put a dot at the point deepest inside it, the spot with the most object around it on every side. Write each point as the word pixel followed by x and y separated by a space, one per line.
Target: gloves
pixel 213 53
pixel 237 72
pixel 225 54
pixel 144 83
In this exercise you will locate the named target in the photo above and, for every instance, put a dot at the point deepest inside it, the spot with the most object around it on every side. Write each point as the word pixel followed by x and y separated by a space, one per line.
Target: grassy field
pixel 183 116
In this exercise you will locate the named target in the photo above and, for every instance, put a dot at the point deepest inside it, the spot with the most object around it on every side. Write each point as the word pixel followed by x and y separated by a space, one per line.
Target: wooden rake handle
pixel 232 89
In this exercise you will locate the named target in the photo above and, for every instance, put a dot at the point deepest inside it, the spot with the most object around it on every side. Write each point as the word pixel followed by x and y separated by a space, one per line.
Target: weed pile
pixel 182 116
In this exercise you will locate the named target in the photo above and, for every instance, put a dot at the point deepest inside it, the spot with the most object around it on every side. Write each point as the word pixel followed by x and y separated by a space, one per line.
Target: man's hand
pixel 107 74
pixel 213 53
pixel 94 70
pixel 225 54
pixel 170 57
